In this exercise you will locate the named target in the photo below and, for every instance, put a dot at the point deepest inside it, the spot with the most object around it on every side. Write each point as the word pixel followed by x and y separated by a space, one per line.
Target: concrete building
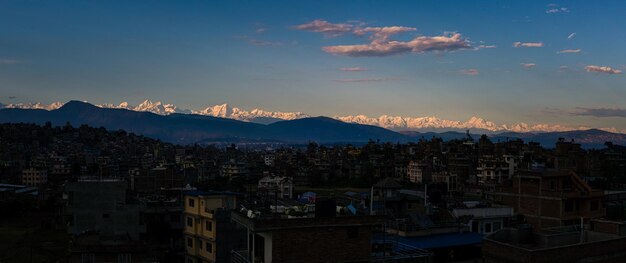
pixel 34 177
pixel 550 198
pixel 483 219
pixel 209 235
pixel 101 205
pixel 600 241
pixel 281 187
pixel 415 173
pixel 329 239
pixel 105 224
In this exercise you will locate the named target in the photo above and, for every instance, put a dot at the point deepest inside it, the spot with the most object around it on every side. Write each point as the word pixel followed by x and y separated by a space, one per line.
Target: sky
pixel 554 62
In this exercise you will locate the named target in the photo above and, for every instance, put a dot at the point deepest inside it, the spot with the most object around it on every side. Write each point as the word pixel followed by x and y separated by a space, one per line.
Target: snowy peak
pixel 385 121
pixel 37 105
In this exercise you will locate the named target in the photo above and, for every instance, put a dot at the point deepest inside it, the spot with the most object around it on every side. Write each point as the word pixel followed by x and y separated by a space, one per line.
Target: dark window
pixel 189 221
pixel 175 218
pixel 191 202
pixel 552 185
pixel 189 242
pixel 496 226
pixel 105 216
pixel 200 243
pixel 594 205
pixel 567 184
pixel 352 231
pixel 209 226
pixel 488 228
pixel 209 247
pixel 569 206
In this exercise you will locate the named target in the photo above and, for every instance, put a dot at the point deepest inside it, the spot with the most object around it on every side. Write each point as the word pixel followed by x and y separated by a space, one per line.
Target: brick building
pixel 332 239
pixel 551 198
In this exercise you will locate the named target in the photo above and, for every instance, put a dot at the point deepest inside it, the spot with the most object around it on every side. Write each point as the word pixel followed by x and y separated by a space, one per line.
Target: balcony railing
pixel 239 256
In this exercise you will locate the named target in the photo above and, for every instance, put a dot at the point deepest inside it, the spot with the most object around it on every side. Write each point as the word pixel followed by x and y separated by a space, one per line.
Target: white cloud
pixel 528 44
pixel 528 65
pixel 602 69
pixel 326 28
pixel 557 10
pixel 353 69
pixel 572 35
pixel 385 47
pixel 361 80
pixel 485 46
pixel 569 51
pixel 471 72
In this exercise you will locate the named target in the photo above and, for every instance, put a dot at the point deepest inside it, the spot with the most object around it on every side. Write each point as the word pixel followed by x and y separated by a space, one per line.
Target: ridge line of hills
pixel 193 128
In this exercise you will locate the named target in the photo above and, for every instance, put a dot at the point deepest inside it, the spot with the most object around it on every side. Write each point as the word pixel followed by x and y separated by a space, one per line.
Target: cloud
pixel 385 47
pixel 485 46
pixel 600 112
pixel 569 51
pixel 572 35
pixel 258 42
pixel 12 97
pixel 260 30
pixel 602 69
pixel 528 65
pixel 471 72
pixel 353 69
pixel 528 44
pixel 382 33
pixel 361 80
pixel 557 10
pixel 326 28
pixel 5 61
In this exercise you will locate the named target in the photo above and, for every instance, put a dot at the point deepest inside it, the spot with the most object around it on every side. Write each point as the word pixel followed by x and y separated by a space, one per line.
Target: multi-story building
pixel 281 187
pixel 34 177
pixel 483 219
pixel 415 173
pixel 600 241
pixel 550 198
pixel 209 236
pixel 105 224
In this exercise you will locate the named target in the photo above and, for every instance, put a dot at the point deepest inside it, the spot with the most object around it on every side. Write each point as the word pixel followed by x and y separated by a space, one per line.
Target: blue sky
pixel 272 55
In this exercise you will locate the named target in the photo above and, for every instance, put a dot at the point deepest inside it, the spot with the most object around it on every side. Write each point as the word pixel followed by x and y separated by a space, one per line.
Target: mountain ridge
pixel 396 123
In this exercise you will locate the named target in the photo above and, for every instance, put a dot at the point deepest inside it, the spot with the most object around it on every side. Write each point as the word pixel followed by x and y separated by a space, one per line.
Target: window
pixel 497 226
pixel 488 228
pixel 189 242
pixel 209 247
pixel 189 221
pixel 594 205
pixel 569 205
pixel 87 258
pixel 105 216
pixel 191 202
pixel 567 184
pixel 352 231
pixel 199 243
pixel 209 226
pixel 124 258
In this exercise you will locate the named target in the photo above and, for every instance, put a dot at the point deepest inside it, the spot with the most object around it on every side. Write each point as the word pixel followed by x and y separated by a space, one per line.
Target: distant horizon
pixel 427 124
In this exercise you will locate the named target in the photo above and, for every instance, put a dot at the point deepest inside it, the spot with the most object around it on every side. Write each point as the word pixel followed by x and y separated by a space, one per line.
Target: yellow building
pixel 204 212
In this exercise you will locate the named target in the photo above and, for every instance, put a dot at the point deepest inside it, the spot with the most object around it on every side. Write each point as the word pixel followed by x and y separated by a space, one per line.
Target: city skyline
pixel 544 62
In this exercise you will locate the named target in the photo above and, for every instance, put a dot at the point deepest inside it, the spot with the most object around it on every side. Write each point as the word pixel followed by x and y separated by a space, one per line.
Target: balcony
pixel 239 256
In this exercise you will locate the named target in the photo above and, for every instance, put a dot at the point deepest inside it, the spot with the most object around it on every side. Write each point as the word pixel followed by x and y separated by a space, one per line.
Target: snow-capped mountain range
pixel 385 121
